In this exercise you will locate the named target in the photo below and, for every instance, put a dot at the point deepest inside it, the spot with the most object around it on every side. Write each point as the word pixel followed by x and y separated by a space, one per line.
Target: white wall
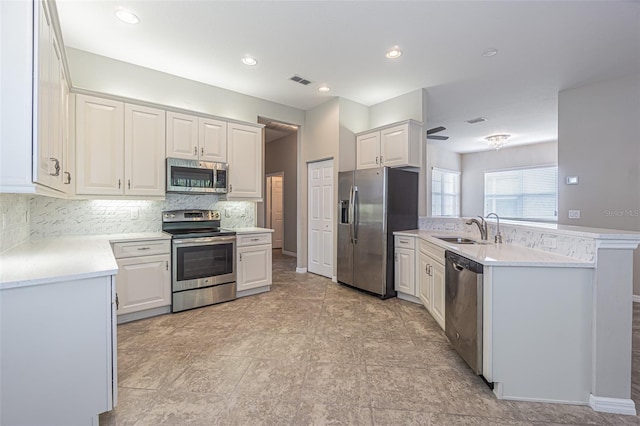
pixel 354 118
pixel 475 164
pixel 440 158
pixel 320 140
pixel 408 106
pixel 599 141
pixel 101 74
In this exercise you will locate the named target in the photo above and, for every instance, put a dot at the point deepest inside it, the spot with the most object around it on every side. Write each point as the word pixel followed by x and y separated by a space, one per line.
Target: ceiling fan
pixel 431 134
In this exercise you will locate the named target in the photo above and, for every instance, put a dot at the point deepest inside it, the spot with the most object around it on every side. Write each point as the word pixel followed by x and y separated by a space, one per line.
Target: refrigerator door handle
pixel 350 213
pixel 354 219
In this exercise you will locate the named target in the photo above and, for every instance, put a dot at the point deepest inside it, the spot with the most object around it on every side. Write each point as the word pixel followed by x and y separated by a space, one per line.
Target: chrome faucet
pixel 482 226
pixel 498 237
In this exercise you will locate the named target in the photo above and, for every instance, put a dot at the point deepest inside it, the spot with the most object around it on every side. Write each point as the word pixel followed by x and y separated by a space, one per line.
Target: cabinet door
pixel 144 143
pixel 423 278
pixel 182 136
pixel 437 277
pixel 368 151
pixel 254 267
pixel 68 150
pixel 394 146
pixel 99 146
pixel 245 161
pixel 143 283
pixel 212 139
pixel 405 271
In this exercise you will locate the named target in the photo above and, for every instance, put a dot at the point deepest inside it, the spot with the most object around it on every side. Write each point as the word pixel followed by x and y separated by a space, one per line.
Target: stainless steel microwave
pixel 196 177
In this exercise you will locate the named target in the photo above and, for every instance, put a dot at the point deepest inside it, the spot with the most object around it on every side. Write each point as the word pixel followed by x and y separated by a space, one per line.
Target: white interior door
pixel 277 211
pixel 320 211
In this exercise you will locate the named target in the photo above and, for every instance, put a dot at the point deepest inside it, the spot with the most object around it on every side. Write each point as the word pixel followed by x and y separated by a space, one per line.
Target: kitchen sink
pixel 457 240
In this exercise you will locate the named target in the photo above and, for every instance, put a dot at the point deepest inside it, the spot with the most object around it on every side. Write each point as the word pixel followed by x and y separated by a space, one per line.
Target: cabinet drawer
pixel 432 250
pixel 253 239
pixel 405 242
pixel 141 248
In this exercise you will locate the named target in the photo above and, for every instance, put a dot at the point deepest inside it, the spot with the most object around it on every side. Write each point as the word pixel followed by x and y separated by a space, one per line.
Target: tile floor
pixel 311 352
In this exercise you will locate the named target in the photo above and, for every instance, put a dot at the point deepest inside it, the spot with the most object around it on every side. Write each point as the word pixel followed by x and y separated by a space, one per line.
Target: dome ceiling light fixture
pixel 393 53
pixel 497 141
pixel 126 16
pixel 248 60
pixel 490 52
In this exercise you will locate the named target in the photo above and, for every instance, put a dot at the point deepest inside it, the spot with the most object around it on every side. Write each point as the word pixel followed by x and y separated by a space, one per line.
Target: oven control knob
pixel 173 215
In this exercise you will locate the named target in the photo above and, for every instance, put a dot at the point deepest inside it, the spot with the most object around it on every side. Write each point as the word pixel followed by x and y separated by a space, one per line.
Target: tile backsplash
pixel 52 217
pixel 15 220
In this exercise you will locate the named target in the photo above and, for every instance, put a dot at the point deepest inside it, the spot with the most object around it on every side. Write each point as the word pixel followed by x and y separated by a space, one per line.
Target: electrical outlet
pixel 135 213
pixel 549 242
pixel 574 214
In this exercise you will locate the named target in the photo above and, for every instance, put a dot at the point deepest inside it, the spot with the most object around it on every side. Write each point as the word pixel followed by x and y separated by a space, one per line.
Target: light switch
pixel 572 180
pixel 574 214
pixel 134 213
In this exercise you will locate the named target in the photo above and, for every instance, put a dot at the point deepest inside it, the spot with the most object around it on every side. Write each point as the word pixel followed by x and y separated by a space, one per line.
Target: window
pixel 530 194
pixel 445 193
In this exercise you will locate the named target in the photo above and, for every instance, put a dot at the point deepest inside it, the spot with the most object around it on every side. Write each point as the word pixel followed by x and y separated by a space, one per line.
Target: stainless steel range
pixel 203 259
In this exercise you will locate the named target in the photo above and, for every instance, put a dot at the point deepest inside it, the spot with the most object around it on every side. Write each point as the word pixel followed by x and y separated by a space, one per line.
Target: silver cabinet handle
pixel 202 151
pixel 376 160
pixel 403 241
pixel 56 166
pixel 128 183
pixel 166 265
pixel 381 160
pixel 119 183
pixel 426 269
pixel 230 187
pixel 68 176
pixel 240 257
pixel 144 248
pixel 117 302
pixel 195 150
pixel 255 239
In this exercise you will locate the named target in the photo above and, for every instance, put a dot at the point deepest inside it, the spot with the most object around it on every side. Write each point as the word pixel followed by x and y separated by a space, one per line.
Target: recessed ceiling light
pixel 324 89
pixel 490 52
pixel 394 53
pixel 248 60
pixel 127 16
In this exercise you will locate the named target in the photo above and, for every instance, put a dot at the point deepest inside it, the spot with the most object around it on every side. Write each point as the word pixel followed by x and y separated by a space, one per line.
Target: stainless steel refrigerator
pixel 373 203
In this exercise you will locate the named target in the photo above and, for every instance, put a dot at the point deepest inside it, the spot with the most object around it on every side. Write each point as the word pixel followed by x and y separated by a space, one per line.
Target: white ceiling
pixel 543 47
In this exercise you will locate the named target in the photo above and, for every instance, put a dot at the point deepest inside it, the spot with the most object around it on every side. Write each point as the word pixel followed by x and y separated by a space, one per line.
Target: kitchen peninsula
pixel 556 309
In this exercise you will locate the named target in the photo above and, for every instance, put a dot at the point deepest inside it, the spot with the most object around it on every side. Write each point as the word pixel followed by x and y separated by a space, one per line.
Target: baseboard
pixel 289 253
pixel 147 313
pixel 301 270
pixel 334 279
pixel 409 298
pixel 636 299
pixel 612 405
pixel 253 291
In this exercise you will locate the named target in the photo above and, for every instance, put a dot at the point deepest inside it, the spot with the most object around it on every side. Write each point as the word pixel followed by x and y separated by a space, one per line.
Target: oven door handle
pixel 204 241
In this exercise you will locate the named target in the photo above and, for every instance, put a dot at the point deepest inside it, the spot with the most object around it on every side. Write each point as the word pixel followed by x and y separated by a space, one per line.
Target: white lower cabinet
pixel 143 282
pixel 254 263
pixel 430 277
pixel 405 261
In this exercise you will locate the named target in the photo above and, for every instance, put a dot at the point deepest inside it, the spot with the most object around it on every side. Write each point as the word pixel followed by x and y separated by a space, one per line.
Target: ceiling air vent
pixel 300 80
pixel 476 120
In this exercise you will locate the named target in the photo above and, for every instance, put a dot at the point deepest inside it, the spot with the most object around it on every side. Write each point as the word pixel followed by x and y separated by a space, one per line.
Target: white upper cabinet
pixel 49 147
pixel 245 161
pixel 99 146
pixel 196 138
pixel 144 142
pixel 368 151
pixel 182 136
pixel 212 140
pixel 119 148
pixel 398 145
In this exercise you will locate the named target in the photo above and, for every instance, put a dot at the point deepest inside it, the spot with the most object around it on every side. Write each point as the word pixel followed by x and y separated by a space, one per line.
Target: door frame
pixel 267 205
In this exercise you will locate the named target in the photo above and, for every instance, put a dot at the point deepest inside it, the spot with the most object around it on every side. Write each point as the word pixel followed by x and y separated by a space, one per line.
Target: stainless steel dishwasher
pixel 463 308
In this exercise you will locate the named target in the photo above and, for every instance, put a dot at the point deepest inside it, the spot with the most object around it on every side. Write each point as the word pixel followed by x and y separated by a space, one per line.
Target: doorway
pixel 320 212
pixel 275 208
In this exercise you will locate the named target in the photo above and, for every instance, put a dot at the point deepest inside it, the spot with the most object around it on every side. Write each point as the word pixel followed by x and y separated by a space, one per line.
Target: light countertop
pixel 491 254
pixel 61 259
